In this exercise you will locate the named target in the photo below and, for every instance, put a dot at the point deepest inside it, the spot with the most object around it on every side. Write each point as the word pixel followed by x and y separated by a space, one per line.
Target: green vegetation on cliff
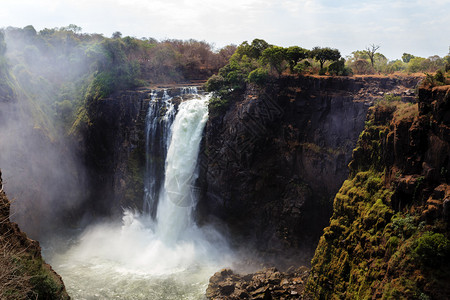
pixel 63 70
pixel 23 272
pixel 389 234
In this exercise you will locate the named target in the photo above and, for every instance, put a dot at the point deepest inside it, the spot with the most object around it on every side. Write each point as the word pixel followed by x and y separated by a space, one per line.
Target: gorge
pixel 283 186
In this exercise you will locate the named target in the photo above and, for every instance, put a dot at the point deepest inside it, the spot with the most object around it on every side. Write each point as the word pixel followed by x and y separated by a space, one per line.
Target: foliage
pixel 294 55
pixel 61 65
pixel 218 105
pixel 432 249
pixel 416 64
pixel 338 68
pixel 301 67
pixel 370 51
pixel 369 250
pixel 324 54
pixel 274 56
pixel 362 66
pixel 254 50
pixel 395 66
pixel 323 71
pixel 391 97
pixel 406 57
pixel 258 76
pixel 438 78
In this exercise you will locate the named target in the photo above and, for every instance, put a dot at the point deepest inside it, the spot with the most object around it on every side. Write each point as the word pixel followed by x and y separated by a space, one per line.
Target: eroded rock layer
pixel 275 156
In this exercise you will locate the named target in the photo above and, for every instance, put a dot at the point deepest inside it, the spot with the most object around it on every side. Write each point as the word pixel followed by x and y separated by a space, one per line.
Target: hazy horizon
pixel 415 27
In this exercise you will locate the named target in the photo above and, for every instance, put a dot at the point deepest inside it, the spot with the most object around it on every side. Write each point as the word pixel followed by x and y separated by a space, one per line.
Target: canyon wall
pixel 275 156
pixel 389 233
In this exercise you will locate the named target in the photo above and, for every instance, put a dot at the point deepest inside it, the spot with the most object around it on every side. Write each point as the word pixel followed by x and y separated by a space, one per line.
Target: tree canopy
pixel 324 54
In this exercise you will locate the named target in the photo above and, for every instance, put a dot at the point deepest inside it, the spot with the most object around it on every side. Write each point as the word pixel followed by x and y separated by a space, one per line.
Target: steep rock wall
pixel 389 233
pixel 113 143
pixel 275 158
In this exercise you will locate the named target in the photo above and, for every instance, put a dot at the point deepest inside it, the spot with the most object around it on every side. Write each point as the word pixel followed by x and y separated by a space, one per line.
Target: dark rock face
pixel 273 162
pixel 393 206
pixel 117 129
pixel 114 150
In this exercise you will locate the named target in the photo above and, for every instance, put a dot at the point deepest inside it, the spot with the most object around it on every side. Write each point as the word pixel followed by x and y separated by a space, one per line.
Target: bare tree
pixel 371 52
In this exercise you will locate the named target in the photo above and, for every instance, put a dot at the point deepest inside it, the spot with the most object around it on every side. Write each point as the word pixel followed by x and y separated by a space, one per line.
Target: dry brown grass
pixel 406 111
pixel 13 283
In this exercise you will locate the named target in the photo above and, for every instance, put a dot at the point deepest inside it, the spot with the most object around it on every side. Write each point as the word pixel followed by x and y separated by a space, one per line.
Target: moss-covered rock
pixel 389 234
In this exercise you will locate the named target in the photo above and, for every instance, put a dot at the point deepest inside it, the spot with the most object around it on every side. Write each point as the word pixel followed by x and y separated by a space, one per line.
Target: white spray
pixel 143 258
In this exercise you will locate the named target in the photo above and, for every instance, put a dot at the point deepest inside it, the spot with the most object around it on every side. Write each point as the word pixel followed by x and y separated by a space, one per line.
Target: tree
pixel 29 31
pixel 324 54
pixel 257 47
pixel 274 56
pixel 406 57
pixel 117 35
pixel 362 66
pixel 294 55
pixel 72 27
pixel 338 68
pixel 254 50
pixel 371 52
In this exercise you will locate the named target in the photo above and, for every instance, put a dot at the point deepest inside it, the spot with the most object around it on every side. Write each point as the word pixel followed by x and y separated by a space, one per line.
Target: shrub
pixel 339 68
pixel 218 105
pixel 214 83
pixel 433 249
pixel 323 71
pixel 392 98
pixel 258 76
pixel 302 67
pixel 362 66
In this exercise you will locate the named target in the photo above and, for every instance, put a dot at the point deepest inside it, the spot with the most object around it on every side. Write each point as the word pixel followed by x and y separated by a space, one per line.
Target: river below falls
pixel 130 261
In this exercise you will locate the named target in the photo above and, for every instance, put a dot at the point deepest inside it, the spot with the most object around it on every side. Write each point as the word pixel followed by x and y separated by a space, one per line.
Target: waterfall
pixel 178 198
pixel 160 253
pixel 157 130
pixel 175 140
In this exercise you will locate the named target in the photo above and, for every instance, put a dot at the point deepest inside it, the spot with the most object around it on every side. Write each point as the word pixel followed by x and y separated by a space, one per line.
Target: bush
pixel 362 66
pixel 218 105
pixel 433 249
pixel 214 83
pixel 301 67
pixel 323 71
pixel 338 68
pixel 392 98
pixel 258 76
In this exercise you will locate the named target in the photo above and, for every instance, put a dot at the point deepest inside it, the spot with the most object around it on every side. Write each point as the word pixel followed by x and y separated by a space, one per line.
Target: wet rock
pixel 266 284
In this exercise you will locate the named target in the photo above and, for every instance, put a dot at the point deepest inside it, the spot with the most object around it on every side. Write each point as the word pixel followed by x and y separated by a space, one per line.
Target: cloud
pixel 347 24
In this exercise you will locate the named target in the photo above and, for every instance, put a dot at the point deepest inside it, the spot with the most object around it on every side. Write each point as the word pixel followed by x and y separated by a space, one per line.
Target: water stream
pixel 161 255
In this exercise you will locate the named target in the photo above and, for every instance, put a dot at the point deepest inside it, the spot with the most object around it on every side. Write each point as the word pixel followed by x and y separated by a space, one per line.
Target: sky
pixel 419 27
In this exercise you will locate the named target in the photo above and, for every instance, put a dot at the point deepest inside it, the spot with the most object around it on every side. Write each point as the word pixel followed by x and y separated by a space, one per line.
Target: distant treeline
pixel 258 61
pixel 63 69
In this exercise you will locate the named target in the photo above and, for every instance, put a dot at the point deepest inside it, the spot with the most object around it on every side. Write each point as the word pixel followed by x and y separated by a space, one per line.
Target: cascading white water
pixel 144 258
pixel 178 199
pixel 159 120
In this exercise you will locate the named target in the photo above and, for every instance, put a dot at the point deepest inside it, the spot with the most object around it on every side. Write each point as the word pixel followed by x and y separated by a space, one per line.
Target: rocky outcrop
pixel 267 284
pixel 23 272
pixel 389 235
pixel 275 156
